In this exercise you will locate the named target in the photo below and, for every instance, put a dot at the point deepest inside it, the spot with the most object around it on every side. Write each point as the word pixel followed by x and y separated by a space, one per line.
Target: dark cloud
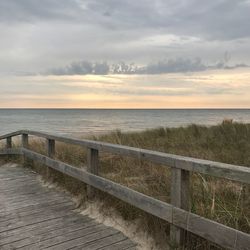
pixel 81 68
pixel 178 65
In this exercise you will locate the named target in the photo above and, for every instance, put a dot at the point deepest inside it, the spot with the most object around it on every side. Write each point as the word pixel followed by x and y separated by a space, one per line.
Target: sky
pixel 124 54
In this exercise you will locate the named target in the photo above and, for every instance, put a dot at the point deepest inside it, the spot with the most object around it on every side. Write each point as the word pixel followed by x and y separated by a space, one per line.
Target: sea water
pixel 82 122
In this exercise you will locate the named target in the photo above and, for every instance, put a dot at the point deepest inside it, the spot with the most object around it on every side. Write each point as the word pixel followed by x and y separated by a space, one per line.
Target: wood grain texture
pixel 25 140
pixel 8 142
pixel 51 147
pixel 35 217
pixel 11 151
pixel 180 197
pixel 93 168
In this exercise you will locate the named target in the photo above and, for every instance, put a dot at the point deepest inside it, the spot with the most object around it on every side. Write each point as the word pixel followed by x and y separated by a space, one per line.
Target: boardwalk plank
pixel 104 242
pixel 52 236
pixel 85 239
pixel 33 216
pixel 49 231
pixel 124 244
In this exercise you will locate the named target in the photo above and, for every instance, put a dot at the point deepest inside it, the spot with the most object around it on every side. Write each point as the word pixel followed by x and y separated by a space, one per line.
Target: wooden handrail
pixel 177 213
pixel 217 169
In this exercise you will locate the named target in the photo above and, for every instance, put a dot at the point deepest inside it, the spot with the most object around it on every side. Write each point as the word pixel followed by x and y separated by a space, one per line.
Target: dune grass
pixel 224 201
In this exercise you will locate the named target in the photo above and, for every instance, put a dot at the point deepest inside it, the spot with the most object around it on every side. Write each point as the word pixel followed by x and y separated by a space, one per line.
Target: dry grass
pixel 224 201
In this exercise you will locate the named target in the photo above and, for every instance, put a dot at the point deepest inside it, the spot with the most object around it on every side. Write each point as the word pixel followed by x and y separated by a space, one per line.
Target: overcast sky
pixel 111 53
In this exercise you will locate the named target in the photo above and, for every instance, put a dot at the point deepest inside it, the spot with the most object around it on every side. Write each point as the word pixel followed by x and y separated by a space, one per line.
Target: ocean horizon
pixel 84 122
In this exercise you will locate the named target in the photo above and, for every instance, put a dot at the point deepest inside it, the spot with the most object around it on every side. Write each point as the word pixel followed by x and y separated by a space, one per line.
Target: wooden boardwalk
pixel 35 217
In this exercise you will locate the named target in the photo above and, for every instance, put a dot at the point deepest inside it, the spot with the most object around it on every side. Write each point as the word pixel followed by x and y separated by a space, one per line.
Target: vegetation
pixel 221 200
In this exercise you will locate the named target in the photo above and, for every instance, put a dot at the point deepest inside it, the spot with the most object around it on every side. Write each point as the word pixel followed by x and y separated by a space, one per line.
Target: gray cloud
pixel 178 65
pixel 36 34
pixel 34 10
pixel 81 68
pixel 220 19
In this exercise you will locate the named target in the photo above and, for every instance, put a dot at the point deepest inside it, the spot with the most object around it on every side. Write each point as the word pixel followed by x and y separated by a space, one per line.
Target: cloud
pixel 178 65
pixel 34 10
pixel 81 68
pixel 217 19
pixel 36 34
pixel 174 66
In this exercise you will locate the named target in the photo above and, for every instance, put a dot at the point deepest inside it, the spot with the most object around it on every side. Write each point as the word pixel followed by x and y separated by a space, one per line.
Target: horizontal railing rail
pixel 177 213
pixel 217 169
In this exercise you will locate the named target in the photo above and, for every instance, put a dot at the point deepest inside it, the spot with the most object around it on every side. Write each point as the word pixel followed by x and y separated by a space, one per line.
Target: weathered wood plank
pixel 46 232
pixel 92 167
pixel 53 224
pixel 8 142
pixel 180 197
pixel 10 225
pixel 32 211
pixel 25 140
pixel 11 151
pixel 11 134
pixel 46 239
pixel 186 220
pixel 14 205
pixel 36 214
pixel 83 240
pixel 60 240
pixel 47 219
pixel 103 242
pixel 51 148
pixel 124 244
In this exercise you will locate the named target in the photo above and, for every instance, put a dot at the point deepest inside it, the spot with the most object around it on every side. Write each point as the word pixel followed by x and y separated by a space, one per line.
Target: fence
pixel 177 213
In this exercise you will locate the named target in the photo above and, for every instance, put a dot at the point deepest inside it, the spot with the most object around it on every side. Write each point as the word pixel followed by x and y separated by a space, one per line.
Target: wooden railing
pixel 177 213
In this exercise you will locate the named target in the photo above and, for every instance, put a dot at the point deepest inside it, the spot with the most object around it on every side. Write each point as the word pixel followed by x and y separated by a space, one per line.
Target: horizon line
pixel 58 108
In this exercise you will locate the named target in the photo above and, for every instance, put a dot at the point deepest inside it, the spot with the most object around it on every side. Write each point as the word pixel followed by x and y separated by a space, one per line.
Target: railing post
pixel 8 142
pixel 51 148
pixel 25 144
pixel 180 197
pixel 92 167
pixel 50 152
pixel 25 140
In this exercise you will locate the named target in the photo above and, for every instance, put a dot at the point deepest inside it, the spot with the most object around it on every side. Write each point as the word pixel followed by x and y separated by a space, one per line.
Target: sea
pixel 85 122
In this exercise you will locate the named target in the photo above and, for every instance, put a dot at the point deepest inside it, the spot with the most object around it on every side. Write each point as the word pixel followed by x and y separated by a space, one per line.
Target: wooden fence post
pixel 25 144
pixel 51 153
pixel 8 142
pixel 180 197
pixel 25 140
pixel 92 167
pixel 51 148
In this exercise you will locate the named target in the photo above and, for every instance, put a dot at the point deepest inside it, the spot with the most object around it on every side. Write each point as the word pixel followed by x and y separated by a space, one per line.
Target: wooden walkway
pixel 35 217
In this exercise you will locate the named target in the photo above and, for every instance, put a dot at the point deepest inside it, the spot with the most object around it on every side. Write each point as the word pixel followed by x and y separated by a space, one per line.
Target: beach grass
pixel 218 199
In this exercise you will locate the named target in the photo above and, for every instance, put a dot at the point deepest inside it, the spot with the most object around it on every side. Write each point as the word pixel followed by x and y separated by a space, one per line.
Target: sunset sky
pixel 124 54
